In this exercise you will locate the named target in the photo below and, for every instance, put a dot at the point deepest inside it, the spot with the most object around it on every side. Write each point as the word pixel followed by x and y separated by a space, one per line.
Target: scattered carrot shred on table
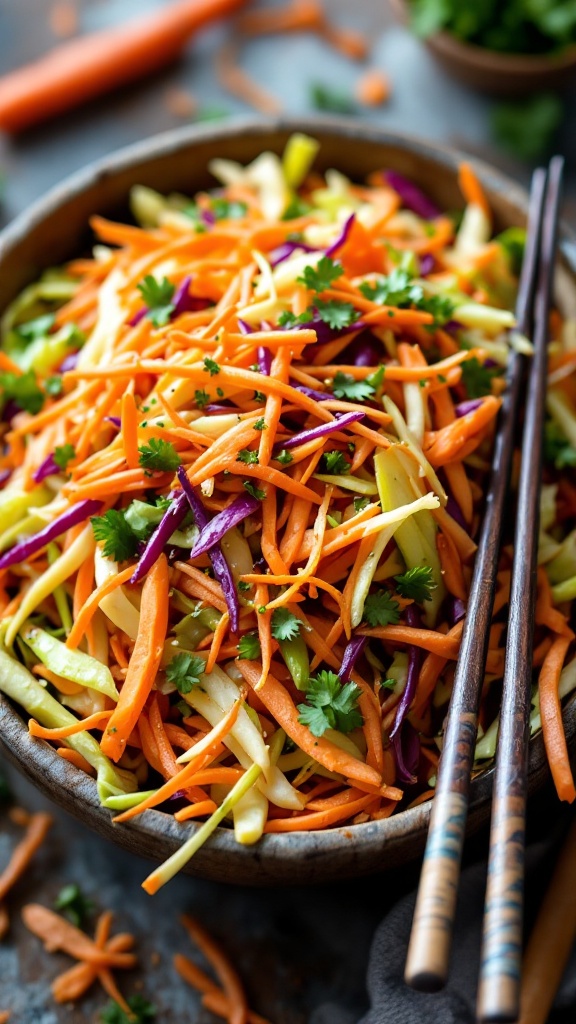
pixel 373 88
pixel 238 83
pixel 64 18
pixel 180 102
pixel 305 15
pixel 37 828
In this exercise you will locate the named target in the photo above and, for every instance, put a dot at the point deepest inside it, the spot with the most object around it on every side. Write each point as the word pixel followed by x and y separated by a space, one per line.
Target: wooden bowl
pixel 493 72
pixel 56 229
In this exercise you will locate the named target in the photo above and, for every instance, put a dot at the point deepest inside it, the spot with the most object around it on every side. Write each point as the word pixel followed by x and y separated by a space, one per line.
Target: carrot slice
pixel 552 725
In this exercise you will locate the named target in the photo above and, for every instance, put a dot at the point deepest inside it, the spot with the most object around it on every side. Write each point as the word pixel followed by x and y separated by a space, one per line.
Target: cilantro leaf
pixel 322 97
pixel 228 209
pixel 120 542
pixel 201 398
pixel 321 277
pixel 513 242
pixel 37 328
pixel 296 208
pixel 74 904
pixel 249 647
pixel 284 625
pixel 344 386
pixel 477 378
pixel 336 314
pixel 330 705
pixel 441 307
pixel 417 583
pixel 256 492
pixel 157 296
pixel 22 389
pixel 248 457
pixel 335 462
pixel 380 609
pixel 143 1012
pixel 395 289
pixel 53 385
pixel 159 456
pixel 557 449
pixel 284 457
pixel 360 503
pixel 260 424
pixel 184 671
pixel 64 454
pixel 212 367
pixel 288 319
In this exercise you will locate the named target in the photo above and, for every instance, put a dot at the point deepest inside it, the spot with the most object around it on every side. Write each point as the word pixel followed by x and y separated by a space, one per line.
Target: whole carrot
pixel 94 64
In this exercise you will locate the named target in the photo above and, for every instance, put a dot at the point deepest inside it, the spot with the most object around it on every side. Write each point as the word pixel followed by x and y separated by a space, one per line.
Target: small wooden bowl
pixel 493 72
pixel 56 229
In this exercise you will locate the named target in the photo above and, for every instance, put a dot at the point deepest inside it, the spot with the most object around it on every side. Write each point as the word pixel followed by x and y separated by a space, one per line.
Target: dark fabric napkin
pixel 392 1002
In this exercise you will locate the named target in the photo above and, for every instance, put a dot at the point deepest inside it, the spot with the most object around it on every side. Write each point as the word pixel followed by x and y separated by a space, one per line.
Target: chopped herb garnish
pixel 284 457
pixel 74 904
pixel 159 456
pixel 330 705
pixel 380 609
pixel 335 463
pixel 142 1012
pixel 256 492
pixel 37 328
pixel 394 289
pixel 477 378
pixel 296 208
pixel 360 503
pixel 64 454
pixel 248 457
pixel 344 386
pixel 557 449
pixel 322 97
pixel 243 586
pixel 226 209
pixel 119 540
pixel 288 319
pixel 260 424
pixel 284 625
pixel 249 647
pixel 417 583
pixel 336 314
pixel 212 367
pixel 321 277
pixel 53 386
pixel 201 398
pixel 158 298
pixel 184 671
pixel 23 390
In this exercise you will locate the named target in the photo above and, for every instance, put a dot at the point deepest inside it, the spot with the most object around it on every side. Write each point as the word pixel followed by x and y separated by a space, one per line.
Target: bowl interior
pixel 55 229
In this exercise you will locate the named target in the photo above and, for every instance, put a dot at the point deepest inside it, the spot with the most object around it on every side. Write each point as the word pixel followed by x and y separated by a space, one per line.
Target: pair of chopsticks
pixel 429 949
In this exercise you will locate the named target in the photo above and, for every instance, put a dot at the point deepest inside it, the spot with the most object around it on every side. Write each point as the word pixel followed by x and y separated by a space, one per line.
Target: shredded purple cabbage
pixel 457 610
pixel 414 664
pixel 184 302
pixel 426 264
pixel 412 196
pixel 451 326
pixel 245 327
pixel 214 531
pixel 69 363
pixel 264 360
pixel 352 652
pixel 342 237
pixel 342 420
pixel 323 330
pixel 114 420
pixel 463 408
pixel 363 351
pixel 216 556
pixel 406 746
pixel 138 316
pixel 170 521
pixel 453 509
pixel 74 515
pixel 284 251
pixel 207 217
pixel 319 396
pixel 5 475
pixel 46 468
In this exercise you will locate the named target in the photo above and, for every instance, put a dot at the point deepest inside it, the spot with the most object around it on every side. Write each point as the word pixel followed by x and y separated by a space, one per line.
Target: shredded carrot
pixel 36 831
pixel 229 979
pixel 58 934
pixel 234 80
pixel 373 88
pixel 92 722
pixel 552 726
pixel 472 189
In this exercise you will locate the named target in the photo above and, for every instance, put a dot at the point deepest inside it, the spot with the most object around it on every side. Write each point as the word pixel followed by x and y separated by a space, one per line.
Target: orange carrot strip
pixel 75 757
pixel 472 189
pixel 91 65
pixel 197 810
pixel 83 588
pixel 144 662
pixel 58 934
pixel 373 88
pixel 279 703
pixel 217 641
pixel 552 725
pixel 91 722
pixel 269 534
pixel 222 967
pixel 84 617
pixel 264 630
pixel 22 854
pixel 212 997
pixel 232 78
pixel 428 639
pixel 451 566
pixel 130 430
pixel 318 819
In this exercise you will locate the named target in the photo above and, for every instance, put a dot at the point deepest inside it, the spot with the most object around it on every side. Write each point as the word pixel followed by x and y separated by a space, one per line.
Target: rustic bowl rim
pixel 68 785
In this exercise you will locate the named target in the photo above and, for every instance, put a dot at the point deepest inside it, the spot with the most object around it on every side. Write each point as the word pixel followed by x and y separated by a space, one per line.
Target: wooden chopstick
pixel 429 948
pixel 500 965
pixel 551 939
